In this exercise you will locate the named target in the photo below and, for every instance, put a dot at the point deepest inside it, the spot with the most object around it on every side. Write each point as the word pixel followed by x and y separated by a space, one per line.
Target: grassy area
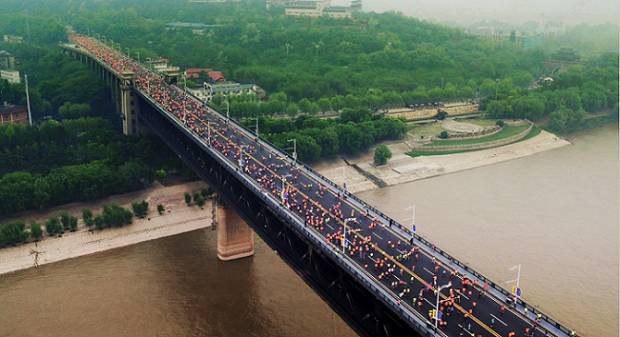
pixel 426 130
pixel 416 153
pixel 481 122
pixel 507 131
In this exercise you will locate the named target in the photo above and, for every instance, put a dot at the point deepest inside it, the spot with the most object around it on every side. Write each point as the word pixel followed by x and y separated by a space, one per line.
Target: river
pixel 555 213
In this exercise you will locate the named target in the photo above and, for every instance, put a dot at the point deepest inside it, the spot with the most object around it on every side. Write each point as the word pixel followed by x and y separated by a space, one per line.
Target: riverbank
pixel 360 173
pixel 178 218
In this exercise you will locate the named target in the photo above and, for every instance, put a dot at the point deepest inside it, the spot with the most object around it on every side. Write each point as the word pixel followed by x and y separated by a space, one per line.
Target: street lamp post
pixel 344 233
pixel 412 208
pixel 437 302
pixel 257 126
pixel 227 110
pixel 294 148
pixel 517 290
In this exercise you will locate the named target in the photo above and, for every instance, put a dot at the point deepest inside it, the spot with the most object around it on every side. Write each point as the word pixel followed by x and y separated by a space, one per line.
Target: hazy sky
pixel 515 11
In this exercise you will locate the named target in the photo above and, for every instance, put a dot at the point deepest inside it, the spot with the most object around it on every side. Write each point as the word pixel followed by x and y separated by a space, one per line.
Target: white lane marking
pixel 499 320
pixel 460 293
pixel 377 235
pixel 427 301
pixel 428 271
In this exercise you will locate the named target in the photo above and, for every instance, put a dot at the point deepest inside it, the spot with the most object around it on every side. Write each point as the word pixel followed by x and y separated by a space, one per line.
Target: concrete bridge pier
pixel 235 239
pixel 129 109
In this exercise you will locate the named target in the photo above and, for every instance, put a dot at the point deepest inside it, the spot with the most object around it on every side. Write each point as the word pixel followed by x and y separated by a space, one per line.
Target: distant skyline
pixel 512 11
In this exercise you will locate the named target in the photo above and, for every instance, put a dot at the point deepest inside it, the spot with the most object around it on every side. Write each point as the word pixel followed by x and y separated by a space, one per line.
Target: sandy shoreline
pixel 179 218
pixel 403 168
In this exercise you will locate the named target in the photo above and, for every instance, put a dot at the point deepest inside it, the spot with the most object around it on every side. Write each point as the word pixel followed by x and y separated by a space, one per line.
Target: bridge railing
pixel 384 294
pixel 394 223
pixel 407 231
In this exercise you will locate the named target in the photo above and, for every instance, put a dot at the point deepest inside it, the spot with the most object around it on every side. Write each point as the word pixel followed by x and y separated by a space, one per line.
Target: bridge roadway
pixel 406 267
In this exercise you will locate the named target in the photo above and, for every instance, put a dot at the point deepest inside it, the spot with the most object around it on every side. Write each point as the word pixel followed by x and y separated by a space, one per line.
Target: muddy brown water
pixel 556 213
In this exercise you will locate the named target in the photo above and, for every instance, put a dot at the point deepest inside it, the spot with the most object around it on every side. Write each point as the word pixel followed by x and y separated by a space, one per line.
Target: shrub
pixel 207 193
pixel 382 154
pixel 116 216
pixel 199 200
pixel 500 123
pixel 161 209
pixel 87 216
pixel 69 222
pixel 99 222
pixel 35 231
pixel 140 209
pixel 441 115
pixel 12 233
pixel 188 199
pixel 443 134
pixel 161 174
pixel 73 223
pixel 52 226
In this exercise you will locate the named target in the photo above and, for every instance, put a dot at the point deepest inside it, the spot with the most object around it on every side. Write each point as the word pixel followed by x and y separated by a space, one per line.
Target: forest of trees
pixel 80 159
pixel 353 66
pixel 354 131
pixel 580 89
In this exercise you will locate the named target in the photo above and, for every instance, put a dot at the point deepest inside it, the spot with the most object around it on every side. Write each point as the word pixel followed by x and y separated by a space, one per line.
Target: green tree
pixel 116 216
pixel 99 222
pixel 53 226
pixel 35 231
pixel 382 155
pixel 12 233
pixel 74 110
pixel 566 120
pixel 161 209
pixel 161 174
pixel 199 200
pixel 188 198
pixel 140 209
pixel 87 216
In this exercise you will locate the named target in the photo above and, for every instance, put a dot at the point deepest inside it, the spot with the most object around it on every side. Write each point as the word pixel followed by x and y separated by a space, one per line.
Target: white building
pixel 11 75
pixel 311 8
pixel 317 8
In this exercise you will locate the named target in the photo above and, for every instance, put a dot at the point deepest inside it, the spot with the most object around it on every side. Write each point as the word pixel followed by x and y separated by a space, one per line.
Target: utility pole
pixel 413 227
pixel 344 233
pixel 227 110
pixel 28 100
pixel 437 302
pixel 256 126
pixel 516 290
pixel 294 149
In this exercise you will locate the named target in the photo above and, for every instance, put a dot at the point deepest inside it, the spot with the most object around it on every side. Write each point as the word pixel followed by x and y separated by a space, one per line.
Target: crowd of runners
pixel 414 277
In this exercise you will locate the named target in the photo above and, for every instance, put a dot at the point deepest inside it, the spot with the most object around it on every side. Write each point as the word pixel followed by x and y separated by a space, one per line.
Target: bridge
pixel 380 277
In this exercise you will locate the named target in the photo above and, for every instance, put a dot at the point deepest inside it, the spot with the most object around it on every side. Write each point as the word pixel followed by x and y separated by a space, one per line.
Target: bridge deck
pixel 402 268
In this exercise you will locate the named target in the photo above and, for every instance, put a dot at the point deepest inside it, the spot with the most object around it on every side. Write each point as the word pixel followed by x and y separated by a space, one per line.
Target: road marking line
pixel 427 301
pixel 374 245
pixel 499 320
pixel 460 293
pixel 377 235
pixel 428 271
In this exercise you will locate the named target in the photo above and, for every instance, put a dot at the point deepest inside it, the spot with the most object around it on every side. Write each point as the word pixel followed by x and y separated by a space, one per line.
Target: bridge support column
pixel 235 239
pixel 129 110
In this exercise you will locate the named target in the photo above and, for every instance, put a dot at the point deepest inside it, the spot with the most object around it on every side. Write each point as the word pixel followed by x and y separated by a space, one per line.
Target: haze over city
pixel 513 11
pixel 302 168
